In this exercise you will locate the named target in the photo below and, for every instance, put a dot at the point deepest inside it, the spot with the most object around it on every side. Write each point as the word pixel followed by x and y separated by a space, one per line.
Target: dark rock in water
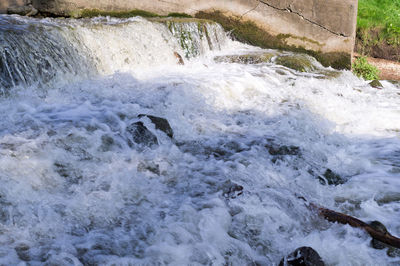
pixel 331 178
pixel 27 10
pixel 298 62
pixel 303 256
pixel 141 135
pixel 149 166
pixel 161 124
pixel 381 228
pixel 106 143
pixel 376 244
pixel 231 190
pixel 23 252
pixel 282 150
pixel 376 84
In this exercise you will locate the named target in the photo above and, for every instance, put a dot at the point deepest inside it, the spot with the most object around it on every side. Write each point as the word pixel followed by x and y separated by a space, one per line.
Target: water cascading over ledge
pixel 35 52
pixel 146 162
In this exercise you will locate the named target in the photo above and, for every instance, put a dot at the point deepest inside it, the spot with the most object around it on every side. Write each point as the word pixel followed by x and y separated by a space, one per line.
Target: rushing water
pixel 249 140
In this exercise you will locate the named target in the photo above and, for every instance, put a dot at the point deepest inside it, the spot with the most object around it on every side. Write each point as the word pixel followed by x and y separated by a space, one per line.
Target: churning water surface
pixel 77 187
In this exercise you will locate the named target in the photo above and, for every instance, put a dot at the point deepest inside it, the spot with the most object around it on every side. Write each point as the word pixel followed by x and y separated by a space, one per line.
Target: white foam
pixel 71 201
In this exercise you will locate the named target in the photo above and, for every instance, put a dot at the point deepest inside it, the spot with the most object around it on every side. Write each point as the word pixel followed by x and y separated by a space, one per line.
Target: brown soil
pixel 379 53
pixel 390 70
pixel 369 43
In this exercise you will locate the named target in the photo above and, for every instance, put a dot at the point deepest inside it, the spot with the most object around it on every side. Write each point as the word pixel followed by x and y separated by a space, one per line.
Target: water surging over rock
pixel 43 51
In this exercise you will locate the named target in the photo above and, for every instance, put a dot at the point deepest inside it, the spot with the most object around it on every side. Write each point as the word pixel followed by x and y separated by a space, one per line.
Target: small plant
pixel 393 33
pixel 363 69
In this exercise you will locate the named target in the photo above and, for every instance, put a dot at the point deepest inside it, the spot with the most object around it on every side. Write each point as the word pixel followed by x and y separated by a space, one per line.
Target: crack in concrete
pixel 245 13
pixel 290 10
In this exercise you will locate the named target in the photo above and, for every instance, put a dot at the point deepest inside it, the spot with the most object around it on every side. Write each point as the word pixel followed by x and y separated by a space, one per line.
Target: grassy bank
pixel 378 29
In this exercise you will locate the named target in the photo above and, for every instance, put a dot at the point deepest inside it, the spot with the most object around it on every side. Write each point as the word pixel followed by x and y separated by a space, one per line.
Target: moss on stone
pixel 180 20
pixel 246 58
pixel 249 32
pixel 90 13
pixel 179 15
pixel 284 38
pixel 185 36
pixel 297 62
pixel 337 60
pixel 329 74
pixel 243 31
pixel 376 84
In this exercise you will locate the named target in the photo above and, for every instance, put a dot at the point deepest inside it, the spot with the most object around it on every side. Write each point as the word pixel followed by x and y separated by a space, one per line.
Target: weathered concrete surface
pixel 5 4
pixel 324 26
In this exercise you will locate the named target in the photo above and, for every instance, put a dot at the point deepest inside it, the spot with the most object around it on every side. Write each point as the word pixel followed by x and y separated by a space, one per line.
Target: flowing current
pixel 88 178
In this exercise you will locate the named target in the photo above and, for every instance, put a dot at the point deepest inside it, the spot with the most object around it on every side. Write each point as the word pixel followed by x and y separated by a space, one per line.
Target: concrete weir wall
pixel 5 4
pixel 324 28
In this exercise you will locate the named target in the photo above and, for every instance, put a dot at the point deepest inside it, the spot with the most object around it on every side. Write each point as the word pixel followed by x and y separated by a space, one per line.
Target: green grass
pixel 363 69
pixel 382 16
pixel 89 13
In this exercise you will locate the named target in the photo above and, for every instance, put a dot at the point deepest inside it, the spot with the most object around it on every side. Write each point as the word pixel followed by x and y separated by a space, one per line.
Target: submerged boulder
pixel 161 124
pixel 23 252
pixel 298 62
pixel 231 190
pixel 139 134
pixel 331 178
pixel 303 256
pixel 149 166
pixel 282 150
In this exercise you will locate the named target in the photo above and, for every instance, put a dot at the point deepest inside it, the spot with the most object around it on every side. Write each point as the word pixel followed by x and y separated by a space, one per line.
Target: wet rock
pixel 381 228
pixel 329 74
pixel 179 58
pixel 301 63
pixel 107 142
pixel 376 84
pixel 222 150
pixel 149 166
pixel 27 10
pixel 303 256
pixel 245 59
pixel 161 124
pixel 331 178
pixel 231 190
pixel 388 197
pixel 141 135
pixel 23 252
pixel 376 244
pixel 282 150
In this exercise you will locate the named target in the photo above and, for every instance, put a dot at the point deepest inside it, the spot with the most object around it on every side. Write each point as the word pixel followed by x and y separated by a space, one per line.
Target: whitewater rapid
pixel 73 191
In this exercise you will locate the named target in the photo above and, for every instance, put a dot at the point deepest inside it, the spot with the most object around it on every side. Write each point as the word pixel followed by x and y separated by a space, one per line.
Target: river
pixel 78 187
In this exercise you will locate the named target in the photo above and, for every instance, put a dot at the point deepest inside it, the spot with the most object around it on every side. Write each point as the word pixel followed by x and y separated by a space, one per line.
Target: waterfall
pixel 113 153
pixel 32 51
